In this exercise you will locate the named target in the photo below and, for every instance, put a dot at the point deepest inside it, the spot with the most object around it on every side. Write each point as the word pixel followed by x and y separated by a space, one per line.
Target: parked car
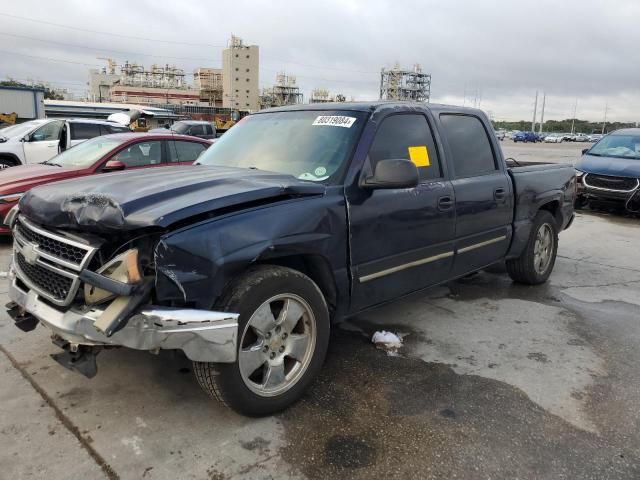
pixel 525 137
pixel 37 141
pixel 568 137
pixel 99 155
pixel 296 218
pixel 554 138
pixel 581 137
pixel 609 171
pixel 595 137
pixel 195 128
pixel 500 134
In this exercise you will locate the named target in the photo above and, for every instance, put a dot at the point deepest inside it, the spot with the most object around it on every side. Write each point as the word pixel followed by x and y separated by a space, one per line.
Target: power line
pixel 164 41
pixel 70 27
pixel 49 59
pixel 101 49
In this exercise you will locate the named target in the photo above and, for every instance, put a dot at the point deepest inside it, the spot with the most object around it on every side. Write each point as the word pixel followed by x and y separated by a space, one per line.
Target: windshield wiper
pixel 594 154
pixel 52 163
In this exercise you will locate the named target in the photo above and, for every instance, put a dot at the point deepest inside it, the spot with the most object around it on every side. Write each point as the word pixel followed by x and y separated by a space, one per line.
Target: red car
pixel 108 153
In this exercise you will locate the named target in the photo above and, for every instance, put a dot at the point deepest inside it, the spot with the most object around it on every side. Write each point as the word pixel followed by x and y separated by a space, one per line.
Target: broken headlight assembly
pixel 116 277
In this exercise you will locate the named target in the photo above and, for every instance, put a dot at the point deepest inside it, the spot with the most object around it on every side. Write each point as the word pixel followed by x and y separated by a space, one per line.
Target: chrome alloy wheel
pixel 543 248
pixel 277 345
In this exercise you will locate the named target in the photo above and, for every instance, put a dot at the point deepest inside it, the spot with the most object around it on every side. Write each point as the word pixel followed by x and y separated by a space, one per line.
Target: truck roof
pixel 373 106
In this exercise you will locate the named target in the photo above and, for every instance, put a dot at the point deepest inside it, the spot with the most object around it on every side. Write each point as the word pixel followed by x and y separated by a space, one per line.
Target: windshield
pixel 20 129
pixel 622 146
pixel 310 145
pixel 180 127
pixel 86 153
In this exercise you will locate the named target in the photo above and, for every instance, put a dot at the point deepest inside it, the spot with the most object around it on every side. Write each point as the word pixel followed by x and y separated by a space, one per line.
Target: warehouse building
pixel 26 102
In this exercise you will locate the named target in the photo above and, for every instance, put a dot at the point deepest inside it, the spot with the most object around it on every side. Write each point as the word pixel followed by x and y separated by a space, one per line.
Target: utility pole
pixel 573 120
pixel 544 100
pixel 604 122
pixel 535 110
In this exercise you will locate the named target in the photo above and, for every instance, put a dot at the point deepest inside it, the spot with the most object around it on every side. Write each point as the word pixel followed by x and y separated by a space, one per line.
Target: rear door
pixel 184 152
pixel 81 131
pixel 401 239
pixel 484 197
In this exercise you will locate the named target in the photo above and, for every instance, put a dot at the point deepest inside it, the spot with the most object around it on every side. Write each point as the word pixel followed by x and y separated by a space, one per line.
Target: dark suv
pixel 195 128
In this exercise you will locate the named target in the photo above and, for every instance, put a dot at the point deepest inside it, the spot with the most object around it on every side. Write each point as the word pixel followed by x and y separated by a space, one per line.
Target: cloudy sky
pixel 490 53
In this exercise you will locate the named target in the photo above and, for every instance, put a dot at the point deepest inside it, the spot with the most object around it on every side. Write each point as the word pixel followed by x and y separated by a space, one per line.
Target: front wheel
pixel 283 336
pixel 536 262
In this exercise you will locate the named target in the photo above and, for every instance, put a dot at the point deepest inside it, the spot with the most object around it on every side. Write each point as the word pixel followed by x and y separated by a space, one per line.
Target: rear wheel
pixel 539 256
pixel 283 336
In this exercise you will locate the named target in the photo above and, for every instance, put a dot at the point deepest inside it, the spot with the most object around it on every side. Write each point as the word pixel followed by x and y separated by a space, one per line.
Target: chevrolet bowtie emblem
pixel 29 253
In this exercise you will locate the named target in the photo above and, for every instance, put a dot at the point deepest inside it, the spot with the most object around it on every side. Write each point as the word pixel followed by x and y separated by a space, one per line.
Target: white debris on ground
pixel 390 342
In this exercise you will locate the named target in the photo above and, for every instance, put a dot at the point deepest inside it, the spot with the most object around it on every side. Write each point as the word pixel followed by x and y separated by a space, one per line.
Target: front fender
pixel 195 263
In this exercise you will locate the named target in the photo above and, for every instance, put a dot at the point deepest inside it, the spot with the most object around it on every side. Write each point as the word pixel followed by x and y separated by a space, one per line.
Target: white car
pixel 37 141
pixel 554 138
pixel 581 137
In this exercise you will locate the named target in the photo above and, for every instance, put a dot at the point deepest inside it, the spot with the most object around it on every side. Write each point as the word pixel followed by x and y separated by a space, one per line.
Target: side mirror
pixel 393 173
pixel 585 150
pixel 113 166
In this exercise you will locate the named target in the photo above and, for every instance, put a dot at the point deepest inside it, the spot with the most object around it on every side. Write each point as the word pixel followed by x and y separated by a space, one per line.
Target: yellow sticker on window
pixel 419 155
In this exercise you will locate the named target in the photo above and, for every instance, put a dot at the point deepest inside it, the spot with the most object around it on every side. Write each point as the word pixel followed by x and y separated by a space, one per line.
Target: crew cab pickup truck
pixel 295 219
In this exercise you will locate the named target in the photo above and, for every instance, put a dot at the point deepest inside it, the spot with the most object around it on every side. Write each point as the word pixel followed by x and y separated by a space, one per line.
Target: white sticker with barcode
pixel 335 121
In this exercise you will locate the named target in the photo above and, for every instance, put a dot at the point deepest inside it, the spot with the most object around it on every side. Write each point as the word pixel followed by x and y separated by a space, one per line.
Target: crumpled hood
pixel 23 177
pixel 618 167
pixel 154 197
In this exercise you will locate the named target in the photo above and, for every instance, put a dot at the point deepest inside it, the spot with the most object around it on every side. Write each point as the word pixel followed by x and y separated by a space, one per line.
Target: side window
pixel 48 132
pixel 409 137
pixel 180 151
pixel 208 130
pixel 141 154
pixel 84 131
pixel 469 144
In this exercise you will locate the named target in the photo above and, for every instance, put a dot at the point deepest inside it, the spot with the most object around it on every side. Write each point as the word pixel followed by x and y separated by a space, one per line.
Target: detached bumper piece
pixel 203 335
pixel 23 320
pixel 79 358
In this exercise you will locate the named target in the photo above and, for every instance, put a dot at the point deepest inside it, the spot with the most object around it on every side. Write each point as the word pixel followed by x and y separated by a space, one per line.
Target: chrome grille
pixel 50 283
pixel 606 182
pixel 49 263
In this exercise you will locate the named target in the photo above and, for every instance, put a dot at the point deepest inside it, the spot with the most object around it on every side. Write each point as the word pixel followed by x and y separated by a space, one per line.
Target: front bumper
pixel 203 335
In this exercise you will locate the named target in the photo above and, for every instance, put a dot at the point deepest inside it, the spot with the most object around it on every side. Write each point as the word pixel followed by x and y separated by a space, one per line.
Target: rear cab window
pixel 471 151
pixel 407 136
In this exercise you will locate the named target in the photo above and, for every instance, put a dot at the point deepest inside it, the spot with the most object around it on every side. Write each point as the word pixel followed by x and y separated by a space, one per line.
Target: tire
pixel 6 163
pixel 248 386
pixel 529 268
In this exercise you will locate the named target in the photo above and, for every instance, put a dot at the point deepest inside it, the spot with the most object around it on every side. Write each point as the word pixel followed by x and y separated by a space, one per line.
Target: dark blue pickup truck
pixel 295 219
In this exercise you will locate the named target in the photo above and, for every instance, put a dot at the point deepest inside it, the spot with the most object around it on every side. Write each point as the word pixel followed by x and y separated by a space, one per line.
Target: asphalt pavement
pixel 495 380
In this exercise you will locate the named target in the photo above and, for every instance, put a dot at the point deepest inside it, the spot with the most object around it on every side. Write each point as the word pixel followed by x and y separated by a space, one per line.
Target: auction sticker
pixel 334 121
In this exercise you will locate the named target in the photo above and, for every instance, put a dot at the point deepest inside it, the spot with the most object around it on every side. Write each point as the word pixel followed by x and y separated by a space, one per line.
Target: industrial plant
pixel 399 84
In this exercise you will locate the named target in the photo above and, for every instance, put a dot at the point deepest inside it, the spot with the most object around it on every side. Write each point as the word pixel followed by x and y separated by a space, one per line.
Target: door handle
pixel 445 203
pixel 499 193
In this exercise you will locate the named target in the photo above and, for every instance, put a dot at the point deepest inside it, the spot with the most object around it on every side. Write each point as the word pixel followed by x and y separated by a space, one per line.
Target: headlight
pixel 579 173
pixel 11 198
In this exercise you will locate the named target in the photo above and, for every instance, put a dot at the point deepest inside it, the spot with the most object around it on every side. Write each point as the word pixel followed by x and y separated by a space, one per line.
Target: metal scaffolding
pixel 283 92
pixel 398 84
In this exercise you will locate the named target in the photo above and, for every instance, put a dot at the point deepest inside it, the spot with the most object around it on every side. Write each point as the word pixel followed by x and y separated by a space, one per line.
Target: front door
pixel 484 208
pixel 42 144
pixel 401 240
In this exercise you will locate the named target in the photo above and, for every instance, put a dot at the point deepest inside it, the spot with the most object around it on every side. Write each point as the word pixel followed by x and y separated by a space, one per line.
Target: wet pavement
pixel 495 380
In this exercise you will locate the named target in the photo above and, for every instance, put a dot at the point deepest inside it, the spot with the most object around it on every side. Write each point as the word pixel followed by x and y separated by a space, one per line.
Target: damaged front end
pixel 93 295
